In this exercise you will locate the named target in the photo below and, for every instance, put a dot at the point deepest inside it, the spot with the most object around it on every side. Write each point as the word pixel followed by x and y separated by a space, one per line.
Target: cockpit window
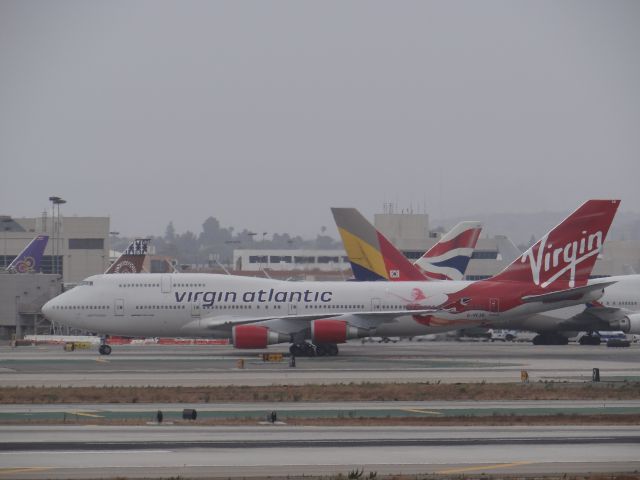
pixel 87 282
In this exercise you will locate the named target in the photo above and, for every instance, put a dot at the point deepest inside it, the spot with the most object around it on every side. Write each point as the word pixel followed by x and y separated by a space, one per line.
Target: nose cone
pixel 47 310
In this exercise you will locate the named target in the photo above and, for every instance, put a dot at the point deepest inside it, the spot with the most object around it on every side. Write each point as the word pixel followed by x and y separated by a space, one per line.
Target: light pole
pixel 55 201
pixel 5 228
pixel 111 239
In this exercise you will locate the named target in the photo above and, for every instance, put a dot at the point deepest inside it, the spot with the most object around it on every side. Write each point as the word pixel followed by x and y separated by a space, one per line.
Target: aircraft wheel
pixel 308 350
pixel 590 340
pixel 105 350
pixel 321 351
pixel 302 350
pixel 333 349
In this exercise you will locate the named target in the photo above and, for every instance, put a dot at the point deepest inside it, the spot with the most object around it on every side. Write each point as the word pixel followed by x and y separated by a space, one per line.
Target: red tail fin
pixel 565 256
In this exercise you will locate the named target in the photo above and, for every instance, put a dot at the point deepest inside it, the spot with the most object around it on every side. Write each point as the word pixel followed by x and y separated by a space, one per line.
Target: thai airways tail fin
pixel 372 256
pixel 564 257
pixel 132 259
pixel 30 259
pixel 448 259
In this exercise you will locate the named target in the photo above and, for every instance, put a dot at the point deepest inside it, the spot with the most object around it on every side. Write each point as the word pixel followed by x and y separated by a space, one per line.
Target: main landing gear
pixel 590 339
pixel 307 349
pixel 549 338
pixel 104 349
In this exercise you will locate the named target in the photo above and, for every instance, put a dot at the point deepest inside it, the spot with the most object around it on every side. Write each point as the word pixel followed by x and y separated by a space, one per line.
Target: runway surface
pixel 85 452
pixel 90 451
pixel 402 362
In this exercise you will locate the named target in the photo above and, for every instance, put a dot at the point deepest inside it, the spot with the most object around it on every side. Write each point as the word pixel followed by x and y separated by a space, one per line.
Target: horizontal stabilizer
pixel 568 294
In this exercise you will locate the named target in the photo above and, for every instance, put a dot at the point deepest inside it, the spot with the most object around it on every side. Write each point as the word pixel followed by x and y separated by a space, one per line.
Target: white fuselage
pixel 184 304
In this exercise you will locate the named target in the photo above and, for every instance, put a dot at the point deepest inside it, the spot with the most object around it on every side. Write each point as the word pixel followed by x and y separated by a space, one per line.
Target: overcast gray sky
pixel 264 114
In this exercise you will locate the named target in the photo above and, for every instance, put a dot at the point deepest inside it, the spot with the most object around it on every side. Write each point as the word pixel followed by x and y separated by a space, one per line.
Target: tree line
pixel 217 243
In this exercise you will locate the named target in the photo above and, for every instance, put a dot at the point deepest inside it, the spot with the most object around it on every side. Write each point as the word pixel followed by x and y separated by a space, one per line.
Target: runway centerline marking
pixel 485 467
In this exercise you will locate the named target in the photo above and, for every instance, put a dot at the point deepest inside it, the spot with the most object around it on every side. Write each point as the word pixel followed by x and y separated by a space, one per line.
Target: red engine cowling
pixel 334 331
pixel 255 336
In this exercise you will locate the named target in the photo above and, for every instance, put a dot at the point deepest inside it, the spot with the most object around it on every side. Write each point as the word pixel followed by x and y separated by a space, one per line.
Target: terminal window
pixel 304 259
pixel 280 259
pixel 323 259
pixel 86 244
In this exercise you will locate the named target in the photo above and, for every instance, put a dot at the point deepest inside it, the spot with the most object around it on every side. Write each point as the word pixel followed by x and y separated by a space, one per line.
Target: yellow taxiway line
pixel 83 414
pixel 10 471
pixel 483 467
pixel 420 410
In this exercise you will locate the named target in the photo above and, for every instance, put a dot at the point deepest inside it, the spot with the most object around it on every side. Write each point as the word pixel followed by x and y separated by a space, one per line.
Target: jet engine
pixel 629 324
pixel 334 331
pixel 255 336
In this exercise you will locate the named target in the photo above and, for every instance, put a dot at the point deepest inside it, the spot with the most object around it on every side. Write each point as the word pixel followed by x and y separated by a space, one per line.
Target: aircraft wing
pixel 568 294
pixel 600 314
pixel 366 319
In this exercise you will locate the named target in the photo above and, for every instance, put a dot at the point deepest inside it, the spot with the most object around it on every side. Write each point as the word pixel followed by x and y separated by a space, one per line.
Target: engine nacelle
pixel 255 336
pixel 334 331
pixel 630 324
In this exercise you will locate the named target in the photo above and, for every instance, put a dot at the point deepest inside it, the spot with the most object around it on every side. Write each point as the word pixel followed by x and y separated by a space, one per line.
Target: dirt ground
pixel 325 393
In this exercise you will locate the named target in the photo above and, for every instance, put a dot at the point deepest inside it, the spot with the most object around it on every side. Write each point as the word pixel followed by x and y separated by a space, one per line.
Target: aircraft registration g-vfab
pixel 256 312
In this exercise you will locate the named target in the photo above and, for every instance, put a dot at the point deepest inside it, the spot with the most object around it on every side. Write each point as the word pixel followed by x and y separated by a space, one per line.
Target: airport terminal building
pixel 412 235
pixel 77 248
pixel 409 232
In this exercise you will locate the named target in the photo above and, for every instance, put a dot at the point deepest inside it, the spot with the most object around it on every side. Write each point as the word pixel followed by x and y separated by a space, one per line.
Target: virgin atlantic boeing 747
pixel 256 312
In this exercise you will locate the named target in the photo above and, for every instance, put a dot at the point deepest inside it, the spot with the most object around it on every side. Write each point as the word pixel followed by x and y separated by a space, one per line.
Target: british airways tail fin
pixel 564 257
pixel 372 256
pixel 448 259
pixel 132 259
pixel 30 259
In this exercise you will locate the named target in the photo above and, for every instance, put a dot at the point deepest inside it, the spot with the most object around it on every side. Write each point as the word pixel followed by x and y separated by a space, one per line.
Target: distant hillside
pixel 520 227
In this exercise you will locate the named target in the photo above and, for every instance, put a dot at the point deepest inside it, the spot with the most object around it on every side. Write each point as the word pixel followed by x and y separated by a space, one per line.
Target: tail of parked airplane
pixel 132 258
pixel 564 257
pixel 29 260
pixel 448 259
pixel 373 257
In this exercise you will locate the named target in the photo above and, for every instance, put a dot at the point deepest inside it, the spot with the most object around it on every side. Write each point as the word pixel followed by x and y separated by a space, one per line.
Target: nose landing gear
pixel 104 349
